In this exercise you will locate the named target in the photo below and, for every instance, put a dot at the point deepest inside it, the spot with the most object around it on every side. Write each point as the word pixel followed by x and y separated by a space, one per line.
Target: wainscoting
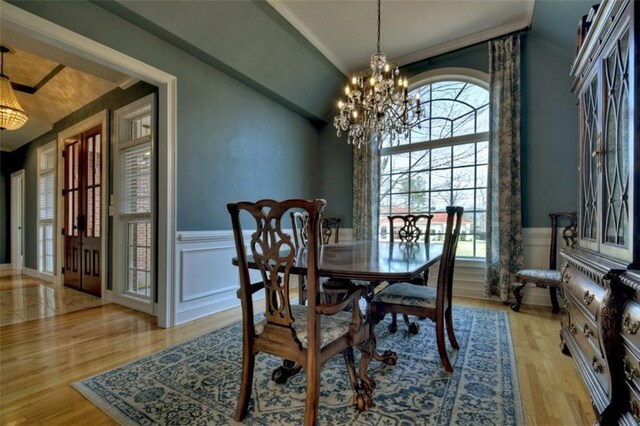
pixel 206 281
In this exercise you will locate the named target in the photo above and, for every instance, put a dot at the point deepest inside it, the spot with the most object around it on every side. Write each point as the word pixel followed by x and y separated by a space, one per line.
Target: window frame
pixel 122 141
pixel 471 76
pixel 48 148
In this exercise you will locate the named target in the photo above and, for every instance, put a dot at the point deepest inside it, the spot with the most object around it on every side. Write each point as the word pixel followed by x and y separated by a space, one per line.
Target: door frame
pixel 101 118
pixel 23 22
pixel 17 264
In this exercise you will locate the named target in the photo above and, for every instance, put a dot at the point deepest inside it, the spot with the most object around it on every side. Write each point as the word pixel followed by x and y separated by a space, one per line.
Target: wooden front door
pixel 82 210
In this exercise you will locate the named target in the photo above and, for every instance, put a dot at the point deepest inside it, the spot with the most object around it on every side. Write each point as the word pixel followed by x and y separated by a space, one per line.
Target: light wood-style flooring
pixel 40 359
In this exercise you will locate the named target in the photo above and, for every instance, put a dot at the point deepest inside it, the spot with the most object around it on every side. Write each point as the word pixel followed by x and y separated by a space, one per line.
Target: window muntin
pixel 443 162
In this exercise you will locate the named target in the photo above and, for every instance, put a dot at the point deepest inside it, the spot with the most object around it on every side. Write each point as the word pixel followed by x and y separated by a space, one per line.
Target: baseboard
pixel 36 274
pixel 5 266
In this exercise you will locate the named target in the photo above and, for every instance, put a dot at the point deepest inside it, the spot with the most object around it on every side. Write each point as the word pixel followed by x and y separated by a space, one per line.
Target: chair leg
pixel 393 327
pixel 518 289
pixel 442 349
pixel 248 363
pixel 554 299
pixel 312 403
pixel 449 323
pixel 413 328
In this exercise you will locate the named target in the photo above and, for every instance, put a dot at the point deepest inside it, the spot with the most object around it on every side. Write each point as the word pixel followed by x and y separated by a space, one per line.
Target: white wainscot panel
pixel 206 281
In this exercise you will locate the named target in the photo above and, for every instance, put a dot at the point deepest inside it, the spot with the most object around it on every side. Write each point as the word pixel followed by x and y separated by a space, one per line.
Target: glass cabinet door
pixel 589 167
pixel 615 150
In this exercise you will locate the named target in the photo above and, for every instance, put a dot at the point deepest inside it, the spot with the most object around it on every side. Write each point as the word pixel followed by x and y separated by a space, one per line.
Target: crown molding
pixel 465 41
pixel 280 7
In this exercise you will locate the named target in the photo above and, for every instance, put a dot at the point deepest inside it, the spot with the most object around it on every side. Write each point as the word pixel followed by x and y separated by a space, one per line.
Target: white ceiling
pixel 78 84
pixel 345 30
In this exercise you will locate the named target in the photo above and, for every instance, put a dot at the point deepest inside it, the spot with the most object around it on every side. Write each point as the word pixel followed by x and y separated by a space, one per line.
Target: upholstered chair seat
pixel 539 275
pixel 333 327
pixel 408 294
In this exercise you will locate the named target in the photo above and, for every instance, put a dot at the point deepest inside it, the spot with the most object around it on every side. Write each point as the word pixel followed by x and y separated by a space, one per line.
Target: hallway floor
pixel 24 298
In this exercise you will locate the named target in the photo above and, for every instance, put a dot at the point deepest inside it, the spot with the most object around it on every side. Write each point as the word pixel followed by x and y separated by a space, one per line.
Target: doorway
pixel 17 220
pixel 82 194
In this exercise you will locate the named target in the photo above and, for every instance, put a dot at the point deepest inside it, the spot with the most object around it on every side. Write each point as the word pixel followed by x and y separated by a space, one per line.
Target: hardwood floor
pixel 40 359
pixel 24 298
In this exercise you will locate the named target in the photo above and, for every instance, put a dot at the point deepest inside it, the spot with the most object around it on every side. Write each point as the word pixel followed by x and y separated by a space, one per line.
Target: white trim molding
pixel 6 266
pixel 26 23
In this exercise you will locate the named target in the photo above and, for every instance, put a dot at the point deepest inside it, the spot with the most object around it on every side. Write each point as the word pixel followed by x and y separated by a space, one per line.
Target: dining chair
pixel 299 226
pixel 547 278
pixel 409 230
pixel 431 302
pixel 331 228
pixel 306 337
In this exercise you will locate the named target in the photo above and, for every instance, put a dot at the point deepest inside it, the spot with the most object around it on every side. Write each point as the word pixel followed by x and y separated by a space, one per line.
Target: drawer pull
pixel 572 328
pixel 566 278
pixel 635 410
pixel 596 366
pixel 587 331
pixel 588 297
pixel 628 326
pixel 630 371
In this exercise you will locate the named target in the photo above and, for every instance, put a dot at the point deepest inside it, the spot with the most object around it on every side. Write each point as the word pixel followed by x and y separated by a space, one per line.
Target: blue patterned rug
pixel 197 382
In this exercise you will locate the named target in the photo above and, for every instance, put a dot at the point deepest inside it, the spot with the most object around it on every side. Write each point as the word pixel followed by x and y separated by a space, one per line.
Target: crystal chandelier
pixel 377 104
pixel 12 116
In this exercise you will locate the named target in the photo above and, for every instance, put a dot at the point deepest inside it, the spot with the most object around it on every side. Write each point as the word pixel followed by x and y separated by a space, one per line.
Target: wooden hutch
pixel 601 278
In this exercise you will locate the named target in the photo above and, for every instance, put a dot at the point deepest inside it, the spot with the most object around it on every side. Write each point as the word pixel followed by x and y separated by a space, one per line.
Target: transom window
pixel 442 162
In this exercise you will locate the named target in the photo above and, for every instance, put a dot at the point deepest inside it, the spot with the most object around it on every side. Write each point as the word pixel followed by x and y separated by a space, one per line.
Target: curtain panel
pixel 504 210
pixel 366 191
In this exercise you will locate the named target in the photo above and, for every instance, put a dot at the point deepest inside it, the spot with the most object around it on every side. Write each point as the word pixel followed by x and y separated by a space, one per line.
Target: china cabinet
pixel 601 278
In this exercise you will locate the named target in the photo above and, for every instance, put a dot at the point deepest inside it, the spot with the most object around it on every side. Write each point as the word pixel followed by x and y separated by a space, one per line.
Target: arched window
pixel 443 161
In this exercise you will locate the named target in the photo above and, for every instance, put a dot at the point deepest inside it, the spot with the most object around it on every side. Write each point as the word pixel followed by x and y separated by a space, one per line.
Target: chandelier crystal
pixel 377 103
pixel 12 116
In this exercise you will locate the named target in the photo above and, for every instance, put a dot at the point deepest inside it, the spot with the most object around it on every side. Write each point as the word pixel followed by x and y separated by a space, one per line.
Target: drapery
pixel 504 210
pixel 366 191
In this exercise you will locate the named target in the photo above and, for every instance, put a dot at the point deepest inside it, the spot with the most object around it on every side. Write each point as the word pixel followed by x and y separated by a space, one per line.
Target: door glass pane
pixel 589 171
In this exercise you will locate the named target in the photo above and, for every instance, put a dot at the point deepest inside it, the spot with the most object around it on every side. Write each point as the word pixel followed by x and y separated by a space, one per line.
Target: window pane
pixel 481 176
pixel 400 183
pixel 419 181
pixel 136 179
pixel 420 159
pixel 440 179
pixel 464 155
pixel 399 203
pixel 441 158
pixel 419 202
pixel 400 162
pixel 440 200
pixel 483 152
pixel 464 198
pixel 463 177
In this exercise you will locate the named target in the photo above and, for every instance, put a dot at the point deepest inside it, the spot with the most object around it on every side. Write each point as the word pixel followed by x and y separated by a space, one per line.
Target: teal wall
pixel 235 140
pixel 26 157
pixel 254 99
pixel 549 127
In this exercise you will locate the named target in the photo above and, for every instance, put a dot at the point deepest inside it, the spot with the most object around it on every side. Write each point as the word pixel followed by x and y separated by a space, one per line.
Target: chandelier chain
pixel 379 1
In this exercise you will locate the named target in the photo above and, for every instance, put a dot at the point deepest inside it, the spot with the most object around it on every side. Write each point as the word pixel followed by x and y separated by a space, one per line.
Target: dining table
pixel 366 263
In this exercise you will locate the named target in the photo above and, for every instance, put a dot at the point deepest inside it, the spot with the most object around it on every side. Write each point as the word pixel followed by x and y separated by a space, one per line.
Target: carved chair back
pixel 299 224
pixel 330 227
pixel 408 229
pixel 569 234
pixel 275 254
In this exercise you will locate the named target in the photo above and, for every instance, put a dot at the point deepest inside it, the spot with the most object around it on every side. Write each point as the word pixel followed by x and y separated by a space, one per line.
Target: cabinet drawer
pixel 630 329
pixel 586 338
pixel 587 329
pixel 634 403
pixel 631 364
pixel 583 290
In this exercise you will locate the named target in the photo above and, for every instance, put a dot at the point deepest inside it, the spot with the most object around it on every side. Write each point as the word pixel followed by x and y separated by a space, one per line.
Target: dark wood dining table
pixel 371 262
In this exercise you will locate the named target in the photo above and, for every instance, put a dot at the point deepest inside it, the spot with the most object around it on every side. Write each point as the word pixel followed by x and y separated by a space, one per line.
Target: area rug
pixel 197 382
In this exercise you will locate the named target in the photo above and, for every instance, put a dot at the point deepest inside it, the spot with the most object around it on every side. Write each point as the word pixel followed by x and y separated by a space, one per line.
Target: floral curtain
pixel 504 210
pixel 366 191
